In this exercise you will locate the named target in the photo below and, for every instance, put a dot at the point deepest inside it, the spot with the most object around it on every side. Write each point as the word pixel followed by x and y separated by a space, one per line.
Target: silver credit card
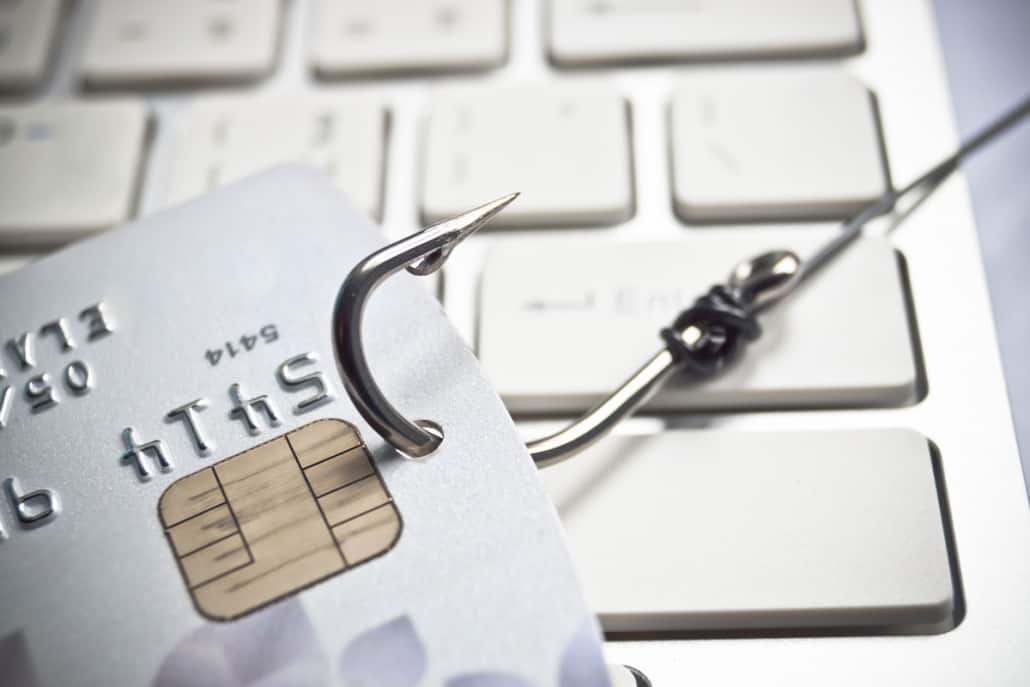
pixel 189 497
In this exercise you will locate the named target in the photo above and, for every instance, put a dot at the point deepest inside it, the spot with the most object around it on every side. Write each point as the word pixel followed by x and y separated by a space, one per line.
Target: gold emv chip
pixel 270 521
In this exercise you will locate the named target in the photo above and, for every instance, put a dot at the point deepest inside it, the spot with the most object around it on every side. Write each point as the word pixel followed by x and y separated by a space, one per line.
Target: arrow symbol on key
pixel 586 303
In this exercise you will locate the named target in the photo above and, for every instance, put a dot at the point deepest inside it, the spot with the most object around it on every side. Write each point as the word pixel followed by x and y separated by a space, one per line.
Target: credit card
pixel 190 498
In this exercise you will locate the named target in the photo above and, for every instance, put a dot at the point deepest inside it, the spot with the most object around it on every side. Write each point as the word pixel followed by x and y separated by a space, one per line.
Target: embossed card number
pixel 246 343
pixel 268 522
pixel 41 390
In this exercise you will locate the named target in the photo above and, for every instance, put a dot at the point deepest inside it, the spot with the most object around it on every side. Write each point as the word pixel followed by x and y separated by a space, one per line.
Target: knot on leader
pixel 726 325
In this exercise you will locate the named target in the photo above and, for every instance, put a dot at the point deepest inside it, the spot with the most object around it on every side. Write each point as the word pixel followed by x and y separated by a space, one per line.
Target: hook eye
pixel 766 278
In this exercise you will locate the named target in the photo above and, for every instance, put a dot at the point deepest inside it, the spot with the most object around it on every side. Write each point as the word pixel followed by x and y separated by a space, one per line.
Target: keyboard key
pixel 604 31
pixel 26 34
pixel 87 154
pixel 408 35
pixel 565 148
pixel 166 41
pixel 763 144
pixel 224 139
pixel 561 324
pixel 710 530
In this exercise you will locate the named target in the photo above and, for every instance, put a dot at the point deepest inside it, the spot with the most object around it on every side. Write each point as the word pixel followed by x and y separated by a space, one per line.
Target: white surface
pixel 68 168
pixel 26 33
pixel 174 40
pixel 589 31
pixel 595 308
pixel 770 143
pixel 349 37
pixel 564 148
pixel 223 139
pixel 710 530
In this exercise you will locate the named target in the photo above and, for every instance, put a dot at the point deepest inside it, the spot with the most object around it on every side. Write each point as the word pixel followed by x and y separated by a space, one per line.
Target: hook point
pixel 459 228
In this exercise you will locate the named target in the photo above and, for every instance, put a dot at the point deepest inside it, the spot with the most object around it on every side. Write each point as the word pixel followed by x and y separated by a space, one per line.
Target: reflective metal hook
pixel 702 338
pixel 421 254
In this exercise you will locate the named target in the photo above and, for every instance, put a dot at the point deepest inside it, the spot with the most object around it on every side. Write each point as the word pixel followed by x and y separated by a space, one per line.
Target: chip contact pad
pixel 277 518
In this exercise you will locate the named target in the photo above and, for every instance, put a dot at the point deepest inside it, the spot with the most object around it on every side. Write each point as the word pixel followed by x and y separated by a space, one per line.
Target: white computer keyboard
pixel 846 506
